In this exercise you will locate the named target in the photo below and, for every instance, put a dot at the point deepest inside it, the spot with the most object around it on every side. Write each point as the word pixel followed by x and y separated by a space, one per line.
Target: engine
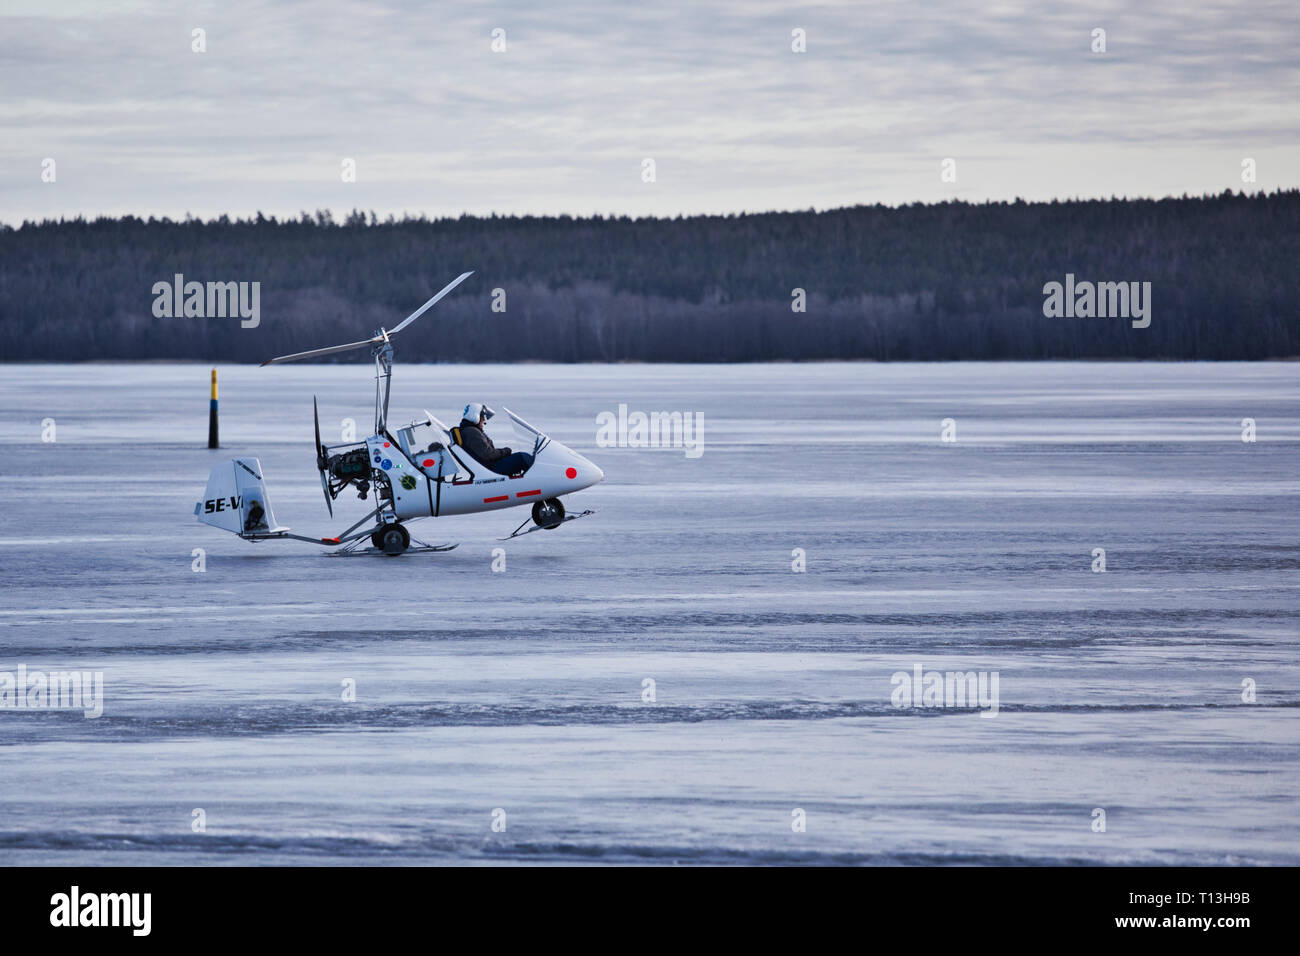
pixel 350 465
pixel 347 468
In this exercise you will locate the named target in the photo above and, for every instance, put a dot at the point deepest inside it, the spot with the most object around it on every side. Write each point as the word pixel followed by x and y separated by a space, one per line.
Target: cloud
pixel 561 121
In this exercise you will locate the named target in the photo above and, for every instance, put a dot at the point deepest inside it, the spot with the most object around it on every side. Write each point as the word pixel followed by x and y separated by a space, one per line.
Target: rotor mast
pixel 383 353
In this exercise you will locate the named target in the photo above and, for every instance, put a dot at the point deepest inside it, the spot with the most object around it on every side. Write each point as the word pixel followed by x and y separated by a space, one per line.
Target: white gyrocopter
pixel 420 470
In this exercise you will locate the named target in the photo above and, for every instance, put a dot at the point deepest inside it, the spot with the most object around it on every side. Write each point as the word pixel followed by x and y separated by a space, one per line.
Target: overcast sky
pixel 584 92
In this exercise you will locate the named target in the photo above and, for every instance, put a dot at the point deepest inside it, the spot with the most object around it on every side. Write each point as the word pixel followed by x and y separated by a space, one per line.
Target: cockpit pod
pixel 466 485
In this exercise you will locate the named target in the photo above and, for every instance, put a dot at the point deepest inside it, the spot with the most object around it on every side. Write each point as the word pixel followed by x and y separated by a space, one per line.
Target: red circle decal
pixel 428 463
pixel 385 444
pixel 571 473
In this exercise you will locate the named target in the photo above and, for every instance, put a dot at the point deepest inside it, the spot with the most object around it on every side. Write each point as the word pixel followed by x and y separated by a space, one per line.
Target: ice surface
pixel 522 690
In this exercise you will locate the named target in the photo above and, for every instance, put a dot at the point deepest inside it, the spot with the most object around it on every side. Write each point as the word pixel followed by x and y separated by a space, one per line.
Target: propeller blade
pixel 325 487
pixel 424 308
pixel 322 462
pixel 328 351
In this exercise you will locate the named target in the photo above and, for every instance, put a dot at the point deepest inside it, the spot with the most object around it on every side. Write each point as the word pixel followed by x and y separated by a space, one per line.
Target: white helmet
pixel 474 409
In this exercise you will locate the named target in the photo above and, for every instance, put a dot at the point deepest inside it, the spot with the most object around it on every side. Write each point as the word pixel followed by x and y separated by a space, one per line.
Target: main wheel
pixel 548 514
pixel 391 539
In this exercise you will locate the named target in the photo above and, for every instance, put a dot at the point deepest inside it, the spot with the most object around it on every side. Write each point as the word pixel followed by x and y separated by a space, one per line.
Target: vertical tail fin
pixel 236 500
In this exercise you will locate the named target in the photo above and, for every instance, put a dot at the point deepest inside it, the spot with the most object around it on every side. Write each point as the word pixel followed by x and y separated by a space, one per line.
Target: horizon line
pixel 408 217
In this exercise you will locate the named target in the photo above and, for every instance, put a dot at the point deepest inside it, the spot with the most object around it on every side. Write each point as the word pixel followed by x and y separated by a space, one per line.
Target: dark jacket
pixel 474 441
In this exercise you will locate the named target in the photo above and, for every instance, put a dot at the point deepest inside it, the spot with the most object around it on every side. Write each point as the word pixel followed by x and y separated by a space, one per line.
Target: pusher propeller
pixel 322 459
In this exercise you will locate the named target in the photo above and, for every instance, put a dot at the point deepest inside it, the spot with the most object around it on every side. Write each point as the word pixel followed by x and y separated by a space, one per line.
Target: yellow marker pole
pixel 212 415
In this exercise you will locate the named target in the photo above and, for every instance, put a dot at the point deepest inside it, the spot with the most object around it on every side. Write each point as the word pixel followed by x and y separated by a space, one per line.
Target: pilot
pixel 475 441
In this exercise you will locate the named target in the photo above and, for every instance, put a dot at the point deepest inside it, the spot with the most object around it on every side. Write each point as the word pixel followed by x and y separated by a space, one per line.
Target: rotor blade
pixel 424 308
pixel 376 340
pixel 329 351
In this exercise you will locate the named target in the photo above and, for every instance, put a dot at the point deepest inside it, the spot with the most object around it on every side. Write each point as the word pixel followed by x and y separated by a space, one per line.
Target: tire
pixel 548 514
pixel 391 539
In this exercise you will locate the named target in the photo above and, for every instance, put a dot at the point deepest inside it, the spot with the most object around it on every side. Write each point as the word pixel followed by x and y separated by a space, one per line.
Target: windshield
pixel 422 435
pixel 416 437
pixel 528 438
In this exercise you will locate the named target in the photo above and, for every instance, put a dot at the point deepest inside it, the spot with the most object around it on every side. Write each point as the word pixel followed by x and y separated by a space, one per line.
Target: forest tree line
pixel 941 281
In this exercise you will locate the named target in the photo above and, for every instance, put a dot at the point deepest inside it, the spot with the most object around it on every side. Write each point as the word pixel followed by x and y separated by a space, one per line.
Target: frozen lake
pixel 522 690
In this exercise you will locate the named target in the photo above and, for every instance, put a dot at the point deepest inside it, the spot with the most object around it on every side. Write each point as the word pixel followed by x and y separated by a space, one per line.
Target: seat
pixel 461 459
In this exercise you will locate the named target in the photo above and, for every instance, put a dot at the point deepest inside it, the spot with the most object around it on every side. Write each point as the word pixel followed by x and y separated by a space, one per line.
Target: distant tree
pixel 949 280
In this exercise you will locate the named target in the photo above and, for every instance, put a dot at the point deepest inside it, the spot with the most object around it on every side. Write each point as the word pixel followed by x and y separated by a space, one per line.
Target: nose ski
pixel 547 516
